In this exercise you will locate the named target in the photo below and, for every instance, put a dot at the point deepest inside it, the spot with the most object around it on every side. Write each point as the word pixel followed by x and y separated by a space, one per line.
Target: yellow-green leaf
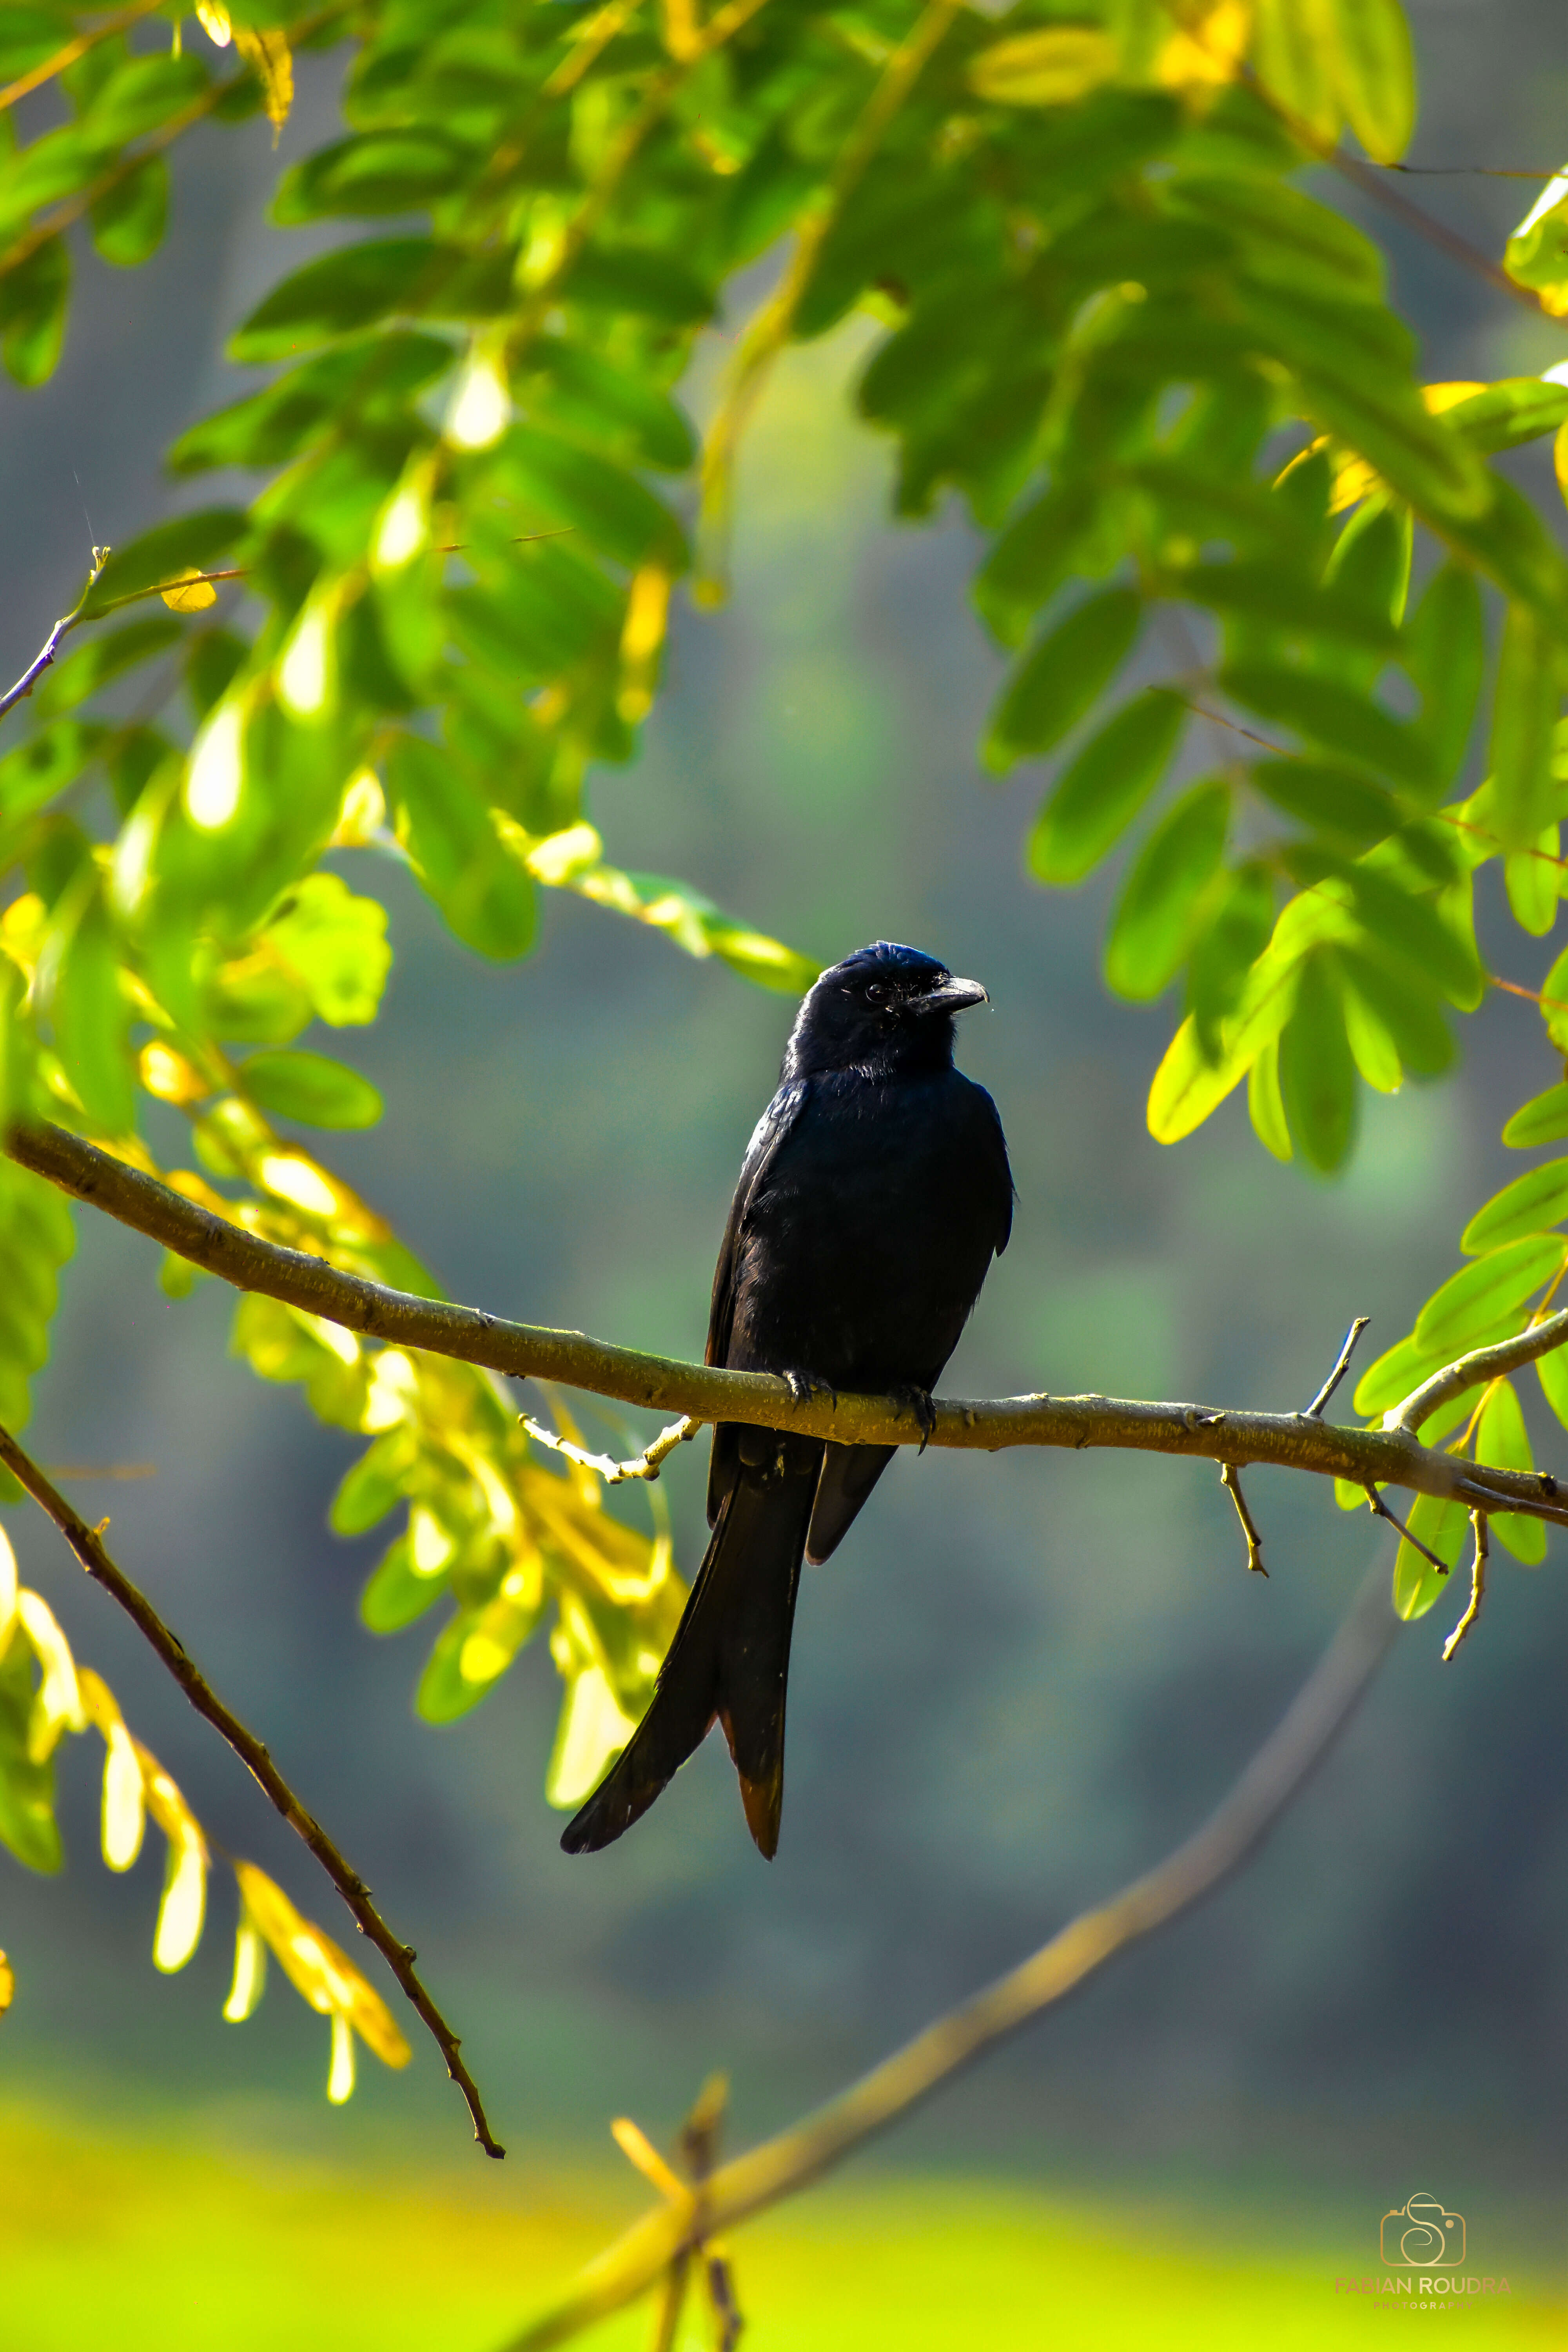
pixel 1374 72
pixel 1491 1291
pixel 1532 1203
pixel 1502 1442
pixel 1046 69
pixel 1544 1120
pixel 1442 1527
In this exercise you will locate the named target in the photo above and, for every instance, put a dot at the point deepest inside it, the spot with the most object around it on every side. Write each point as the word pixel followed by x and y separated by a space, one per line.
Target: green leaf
pixel 1289 239
pixel 1524 713
pixel 354 287
pixel 45 764
pixel 1317 1073
pixel 1491 1291
pixel 1516 409
pixel 375 1486
pixel 141 96
pixel 34 300
pixel 486 896
pixel 1347 807
pixel 1398 922
pixel 1407 1008
pixel 1534 879
pixel 1554 1003
pixel 310 1088
pixel 397 171
pixel 1335 717
pixel 1553 1372
pixel 336 943
pixel 192 542
pixel 82 673
pixel 1443 1528
pixel 1537 252
pixel 1062 675
pixel 445 1691
pixel 1294 65
pixel 129 221
pixel 378 371
pixel 1032 558
pixel 38 1234
pixel 1370 567
pixel 1266 1104
pixel 1395 1375
pixel 397 1594
pixel 1236 918
pixel 551 479
pixel 639 281
pixel 1445 650
pixel 1263 593
pixel 615 408
pixel 1532 1203
pixel 92 1017
pixel 1373 1048
pixel 1502 1442
pixel 27 1822
pixel 1157 906
pixel 1542 1120
pixel 1374 72
pixel 1104 788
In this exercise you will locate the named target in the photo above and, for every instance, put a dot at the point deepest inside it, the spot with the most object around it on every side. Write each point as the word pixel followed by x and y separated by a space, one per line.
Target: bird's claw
pixel 919 1401
pixel 804 1386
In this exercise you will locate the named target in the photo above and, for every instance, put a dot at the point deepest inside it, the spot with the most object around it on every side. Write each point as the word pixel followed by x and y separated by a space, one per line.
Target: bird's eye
pixel 876 993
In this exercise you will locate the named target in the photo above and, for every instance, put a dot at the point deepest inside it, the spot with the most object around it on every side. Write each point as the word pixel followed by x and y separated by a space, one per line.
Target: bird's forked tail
pixel 729 1661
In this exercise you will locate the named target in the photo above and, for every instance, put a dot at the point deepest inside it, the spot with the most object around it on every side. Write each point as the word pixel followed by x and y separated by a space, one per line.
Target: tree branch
pixel 1481 1364
pixel 88 1548
pixel 1275 1776
pixel 1389 1456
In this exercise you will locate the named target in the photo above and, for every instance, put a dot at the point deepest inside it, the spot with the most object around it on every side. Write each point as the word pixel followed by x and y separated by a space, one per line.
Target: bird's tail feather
pixel 729 1661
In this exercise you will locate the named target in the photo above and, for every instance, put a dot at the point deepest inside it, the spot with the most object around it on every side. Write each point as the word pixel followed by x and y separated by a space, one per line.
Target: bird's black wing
pixel 1000 1170
pixel 767 1136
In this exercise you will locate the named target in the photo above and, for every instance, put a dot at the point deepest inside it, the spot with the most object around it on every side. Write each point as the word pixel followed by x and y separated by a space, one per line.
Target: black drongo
pixel 873 1196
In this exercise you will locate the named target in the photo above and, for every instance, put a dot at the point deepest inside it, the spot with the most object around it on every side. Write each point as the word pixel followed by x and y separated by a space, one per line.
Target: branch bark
pixel 1391 1456
pixel 1275 1776
pixel 88 1546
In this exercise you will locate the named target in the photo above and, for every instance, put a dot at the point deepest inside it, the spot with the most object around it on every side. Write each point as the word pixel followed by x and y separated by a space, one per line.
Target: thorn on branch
pixel 1315 1409
pixel 1381 1508
pixel 1478 1584
pixel 1230 1479
pixel 645 1465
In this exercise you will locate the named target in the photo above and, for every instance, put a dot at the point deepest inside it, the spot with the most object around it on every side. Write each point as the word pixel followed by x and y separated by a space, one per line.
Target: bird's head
pixel 884 1009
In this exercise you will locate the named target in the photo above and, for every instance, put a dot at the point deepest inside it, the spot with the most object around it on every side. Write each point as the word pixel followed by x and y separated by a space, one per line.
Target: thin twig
pixel 1391 1457
pixel 88 1548
pixel 1275 1776
pixel 1315 1409
pixel 1230 1479
pixel 44 658
pixel 645 1465
pixel 1381 1508
pixel 1478 1584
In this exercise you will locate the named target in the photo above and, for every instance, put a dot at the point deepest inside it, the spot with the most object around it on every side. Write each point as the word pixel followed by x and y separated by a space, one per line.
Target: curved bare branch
pixel 1390 1457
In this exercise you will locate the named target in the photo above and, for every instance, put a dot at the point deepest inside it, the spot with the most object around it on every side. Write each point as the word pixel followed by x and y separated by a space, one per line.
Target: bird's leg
pixel 919 1401
pixel 804 1386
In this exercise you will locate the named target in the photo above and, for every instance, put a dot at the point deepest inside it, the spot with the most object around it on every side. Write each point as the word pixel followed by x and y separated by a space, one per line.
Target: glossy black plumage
pixel 873 1195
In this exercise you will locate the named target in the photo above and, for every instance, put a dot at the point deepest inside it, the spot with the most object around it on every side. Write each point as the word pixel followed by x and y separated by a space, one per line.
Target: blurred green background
pixel 1023 1681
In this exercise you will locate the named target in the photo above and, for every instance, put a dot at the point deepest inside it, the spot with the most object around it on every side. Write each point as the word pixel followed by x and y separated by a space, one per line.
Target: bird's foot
pixel 804 1386
pixel 919 1401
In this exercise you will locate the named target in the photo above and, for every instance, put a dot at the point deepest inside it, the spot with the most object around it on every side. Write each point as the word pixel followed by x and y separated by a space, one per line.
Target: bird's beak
pixel 952 996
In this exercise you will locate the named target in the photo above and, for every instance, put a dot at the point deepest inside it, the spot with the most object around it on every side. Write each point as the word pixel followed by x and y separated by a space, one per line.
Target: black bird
pixel 873 1195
